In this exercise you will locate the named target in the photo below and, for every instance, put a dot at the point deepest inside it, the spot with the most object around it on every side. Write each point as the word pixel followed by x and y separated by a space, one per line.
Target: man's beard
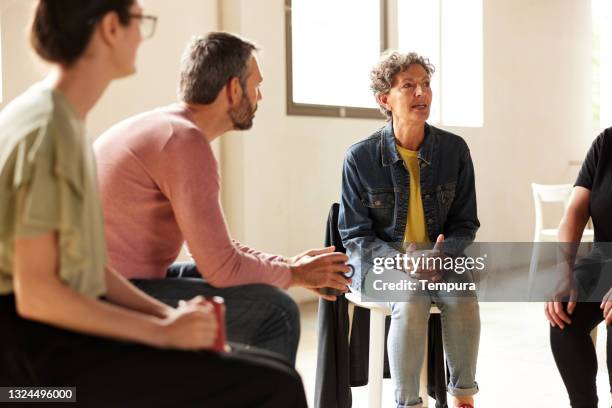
pixel 242 116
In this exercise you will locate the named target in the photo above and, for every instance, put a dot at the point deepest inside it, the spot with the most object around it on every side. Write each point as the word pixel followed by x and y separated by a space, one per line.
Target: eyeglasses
pixel 147 24
pixel 412 86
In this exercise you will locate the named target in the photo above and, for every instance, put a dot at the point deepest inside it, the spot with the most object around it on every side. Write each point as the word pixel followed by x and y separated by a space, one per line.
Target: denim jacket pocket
pixel 446 195
pixel 380 204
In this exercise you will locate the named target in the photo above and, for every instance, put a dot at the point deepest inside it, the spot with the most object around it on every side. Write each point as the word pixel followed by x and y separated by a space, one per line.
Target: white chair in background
pixel 378 313
pixel 551 193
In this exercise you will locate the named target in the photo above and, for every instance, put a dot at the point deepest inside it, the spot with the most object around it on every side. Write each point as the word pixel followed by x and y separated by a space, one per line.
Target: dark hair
pixel 61 29
pixel 210 62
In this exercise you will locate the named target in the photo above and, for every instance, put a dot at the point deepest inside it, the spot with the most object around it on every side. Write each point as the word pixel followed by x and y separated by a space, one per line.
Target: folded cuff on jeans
pixel 418 404
pixel 463 392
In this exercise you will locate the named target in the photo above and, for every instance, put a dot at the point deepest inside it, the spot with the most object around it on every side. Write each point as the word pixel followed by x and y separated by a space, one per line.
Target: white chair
pixel 551 193
pixel 378 313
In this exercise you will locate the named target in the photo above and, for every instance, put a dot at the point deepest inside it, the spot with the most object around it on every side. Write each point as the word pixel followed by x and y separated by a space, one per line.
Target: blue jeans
pixel 460 335
pixel 256 315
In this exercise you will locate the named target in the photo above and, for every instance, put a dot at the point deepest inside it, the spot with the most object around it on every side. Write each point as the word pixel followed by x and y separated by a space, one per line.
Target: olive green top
pixel 48 183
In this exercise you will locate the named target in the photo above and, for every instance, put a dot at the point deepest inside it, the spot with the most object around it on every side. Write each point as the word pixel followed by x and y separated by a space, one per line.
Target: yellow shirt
pixel 415 225
pixel 48 183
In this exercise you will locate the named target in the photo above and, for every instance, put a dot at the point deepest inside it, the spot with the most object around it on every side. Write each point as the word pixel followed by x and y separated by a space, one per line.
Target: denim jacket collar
pixel 390 154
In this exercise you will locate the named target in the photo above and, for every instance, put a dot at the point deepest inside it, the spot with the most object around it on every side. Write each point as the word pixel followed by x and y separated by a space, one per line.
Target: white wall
pixel 280 177
pixel 154 84
pixel 286 171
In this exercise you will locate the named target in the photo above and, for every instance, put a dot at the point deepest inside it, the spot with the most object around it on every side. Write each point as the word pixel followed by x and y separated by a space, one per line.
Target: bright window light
pixel 419 31
pixel 462 65
pixel 335 44
pixel 1 75
pixel 449 33
pixel 602 63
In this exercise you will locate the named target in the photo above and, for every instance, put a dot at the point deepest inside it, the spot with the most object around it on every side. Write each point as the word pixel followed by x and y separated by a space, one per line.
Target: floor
pixel 513 366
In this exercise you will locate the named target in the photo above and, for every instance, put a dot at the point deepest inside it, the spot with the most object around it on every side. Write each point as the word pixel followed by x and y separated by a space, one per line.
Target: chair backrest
pixel 332 234
pixel 548 193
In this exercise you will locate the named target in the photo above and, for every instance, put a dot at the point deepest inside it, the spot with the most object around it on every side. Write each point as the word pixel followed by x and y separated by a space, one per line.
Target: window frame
pixel 335 111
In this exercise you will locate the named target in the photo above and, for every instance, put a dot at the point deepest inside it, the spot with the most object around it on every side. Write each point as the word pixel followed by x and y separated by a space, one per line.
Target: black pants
pixel 108 373
pixel 575 356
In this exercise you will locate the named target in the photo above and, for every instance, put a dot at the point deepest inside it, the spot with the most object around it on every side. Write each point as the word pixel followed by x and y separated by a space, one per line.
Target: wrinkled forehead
pixel 414 72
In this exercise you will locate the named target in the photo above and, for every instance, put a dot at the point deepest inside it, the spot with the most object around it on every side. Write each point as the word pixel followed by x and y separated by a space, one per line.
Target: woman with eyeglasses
pixel 65 318
pixel 409 189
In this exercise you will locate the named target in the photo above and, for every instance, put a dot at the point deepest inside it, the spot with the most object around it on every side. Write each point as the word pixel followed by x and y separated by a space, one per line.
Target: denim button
pixel 429 221
pixel 427 196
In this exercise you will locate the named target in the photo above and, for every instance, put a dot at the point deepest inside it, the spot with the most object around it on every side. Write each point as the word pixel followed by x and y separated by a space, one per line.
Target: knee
pixel 467 309
pixel 410 313
pixel 287 386
pixel 283 306
pixel 289 307
pixel 294 388
pixel 567 334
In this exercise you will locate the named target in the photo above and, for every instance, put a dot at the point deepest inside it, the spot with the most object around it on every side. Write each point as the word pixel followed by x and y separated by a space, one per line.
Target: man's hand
pixel 322 269
pixel 606 306
pixel 310 253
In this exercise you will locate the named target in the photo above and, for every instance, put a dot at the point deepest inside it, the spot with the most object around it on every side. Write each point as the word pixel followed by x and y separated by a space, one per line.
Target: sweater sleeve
pixel 190 180
pixel 262 255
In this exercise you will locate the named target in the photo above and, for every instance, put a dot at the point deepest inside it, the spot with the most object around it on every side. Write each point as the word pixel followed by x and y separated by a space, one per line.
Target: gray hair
pixel 209 62
pixel 390 64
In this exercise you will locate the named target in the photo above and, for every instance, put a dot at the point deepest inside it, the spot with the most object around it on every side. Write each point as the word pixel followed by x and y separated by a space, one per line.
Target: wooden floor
pixel 515 364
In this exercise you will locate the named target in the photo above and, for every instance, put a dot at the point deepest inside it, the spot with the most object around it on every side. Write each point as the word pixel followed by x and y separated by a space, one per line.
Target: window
pixel 602 64
pixel 329 55
pixel 1 75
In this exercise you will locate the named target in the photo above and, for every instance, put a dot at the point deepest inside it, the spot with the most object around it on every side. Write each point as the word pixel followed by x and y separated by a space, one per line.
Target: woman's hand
pixel 423 272
pixel 191 326
pixel 553 309
pixel 606 306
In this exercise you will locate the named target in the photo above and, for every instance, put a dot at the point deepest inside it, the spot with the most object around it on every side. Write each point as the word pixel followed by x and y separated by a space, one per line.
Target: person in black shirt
pixel 587 297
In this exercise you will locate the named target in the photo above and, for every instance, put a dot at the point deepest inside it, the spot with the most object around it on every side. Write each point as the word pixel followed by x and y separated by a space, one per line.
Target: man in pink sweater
pixel 160 186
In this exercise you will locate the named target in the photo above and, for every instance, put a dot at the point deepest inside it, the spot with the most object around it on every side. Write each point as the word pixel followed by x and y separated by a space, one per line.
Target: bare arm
pixel 570 233
pixel 576 216
pixel 121 292
pixel 42 296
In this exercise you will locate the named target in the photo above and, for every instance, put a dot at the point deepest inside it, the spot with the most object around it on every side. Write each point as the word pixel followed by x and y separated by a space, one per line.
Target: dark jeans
pixel 256 315
pixel 109 373
pixel 575 356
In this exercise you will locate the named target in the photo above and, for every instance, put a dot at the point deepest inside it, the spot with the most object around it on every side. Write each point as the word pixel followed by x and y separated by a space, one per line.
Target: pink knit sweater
pixel 159 184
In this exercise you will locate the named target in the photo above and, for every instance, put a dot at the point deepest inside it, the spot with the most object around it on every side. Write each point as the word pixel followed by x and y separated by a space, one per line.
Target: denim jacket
pixel 376 188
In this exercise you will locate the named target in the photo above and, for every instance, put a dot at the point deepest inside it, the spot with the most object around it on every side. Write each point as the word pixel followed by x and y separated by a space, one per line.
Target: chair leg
pixel 376 360
pixel 533 269
pixel 423 380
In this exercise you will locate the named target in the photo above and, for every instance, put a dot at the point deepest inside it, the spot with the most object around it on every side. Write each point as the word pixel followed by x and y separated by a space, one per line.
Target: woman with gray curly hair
pixel 404 187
